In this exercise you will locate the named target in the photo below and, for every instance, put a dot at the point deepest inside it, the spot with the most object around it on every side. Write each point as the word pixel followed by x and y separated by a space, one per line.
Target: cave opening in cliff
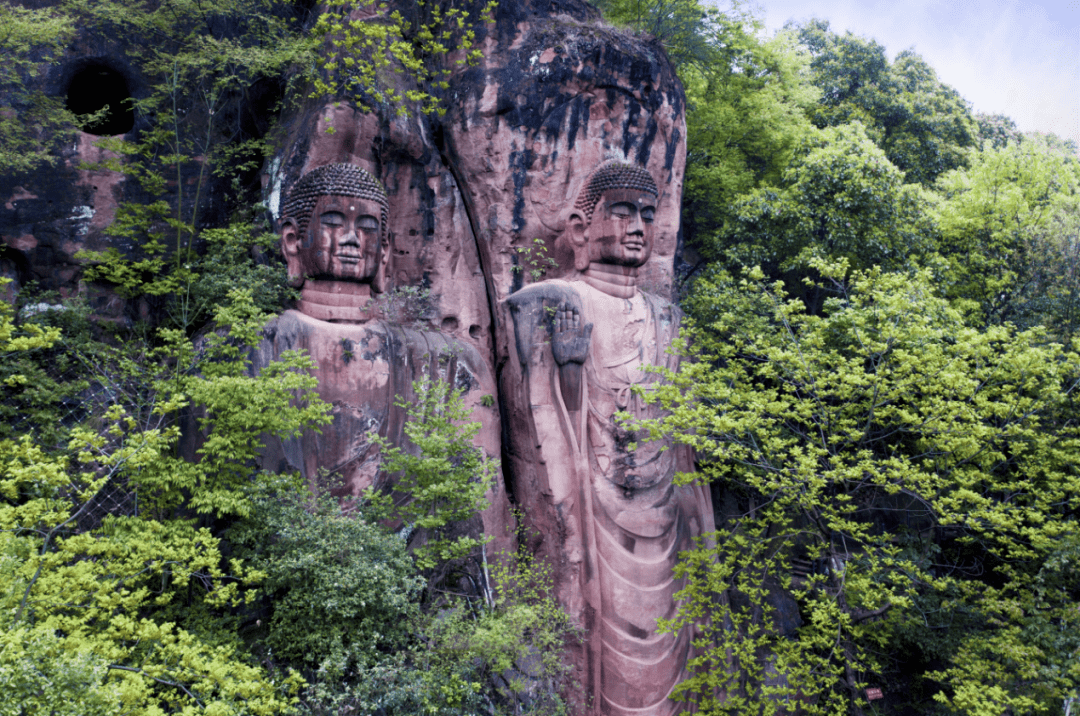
pixel 95 87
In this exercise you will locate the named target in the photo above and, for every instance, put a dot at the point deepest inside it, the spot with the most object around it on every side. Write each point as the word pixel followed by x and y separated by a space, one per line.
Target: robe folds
pixel 364 371
pixel 616 520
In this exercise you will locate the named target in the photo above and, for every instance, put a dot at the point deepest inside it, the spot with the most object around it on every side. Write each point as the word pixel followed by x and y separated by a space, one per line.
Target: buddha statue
pixel 337 245
pixel 613 519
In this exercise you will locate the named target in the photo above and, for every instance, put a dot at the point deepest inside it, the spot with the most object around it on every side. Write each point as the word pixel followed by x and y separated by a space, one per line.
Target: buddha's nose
pixel 636 225
pixel 351 237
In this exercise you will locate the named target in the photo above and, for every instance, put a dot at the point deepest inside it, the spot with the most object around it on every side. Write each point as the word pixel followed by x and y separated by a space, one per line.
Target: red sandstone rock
pixel 481 205
pixel 479 201
pixel 614 522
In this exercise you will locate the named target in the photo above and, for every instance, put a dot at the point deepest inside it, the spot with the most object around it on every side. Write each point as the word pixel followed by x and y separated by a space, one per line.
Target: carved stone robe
pixel 614 522
pixel 363 368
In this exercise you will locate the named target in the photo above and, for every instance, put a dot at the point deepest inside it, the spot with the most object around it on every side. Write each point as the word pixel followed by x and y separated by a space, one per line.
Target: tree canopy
pixel 922 125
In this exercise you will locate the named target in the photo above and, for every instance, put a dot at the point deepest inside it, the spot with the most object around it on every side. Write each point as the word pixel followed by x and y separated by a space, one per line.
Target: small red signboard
pixel 874 694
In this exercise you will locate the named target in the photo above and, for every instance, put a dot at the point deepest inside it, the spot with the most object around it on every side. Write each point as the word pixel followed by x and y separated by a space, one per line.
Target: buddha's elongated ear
pixel 577 230
pixel 378 281
pixel 290 247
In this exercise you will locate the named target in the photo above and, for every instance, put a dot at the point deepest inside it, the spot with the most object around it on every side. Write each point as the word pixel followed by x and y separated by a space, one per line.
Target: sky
pixel 1020 58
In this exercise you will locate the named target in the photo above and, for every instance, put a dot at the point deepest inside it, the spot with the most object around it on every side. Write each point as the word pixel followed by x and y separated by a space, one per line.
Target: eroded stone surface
pixel 47 217
pixel 602 495
pixel 337 245
pixel 480 274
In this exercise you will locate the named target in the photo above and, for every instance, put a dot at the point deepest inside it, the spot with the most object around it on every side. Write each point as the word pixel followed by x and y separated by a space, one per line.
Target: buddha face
pixel 343 241
pixel 621 231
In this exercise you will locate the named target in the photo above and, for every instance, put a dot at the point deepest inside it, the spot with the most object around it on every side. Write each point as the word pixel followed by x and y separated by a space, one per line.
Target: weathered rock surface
pixel 478 196
pixel 479 202
pixel 366 371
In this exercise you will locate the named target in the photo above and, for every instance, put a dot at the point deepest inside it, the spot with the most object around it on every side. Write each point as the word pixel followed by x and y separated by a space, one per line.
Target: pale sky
pixel 1020 58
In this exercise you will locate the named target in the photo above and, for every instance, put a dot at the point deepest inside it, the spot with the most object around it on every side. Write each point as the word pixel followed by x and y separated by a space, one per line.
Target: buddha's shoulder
pixel 550 289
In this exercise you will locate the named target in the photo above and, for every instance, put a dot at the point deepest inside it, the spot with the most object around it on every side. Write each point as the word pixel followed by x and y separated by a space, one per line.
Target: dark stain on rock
pixel 520 164
pixel 669 153
pixel 645 148
pixel 630 121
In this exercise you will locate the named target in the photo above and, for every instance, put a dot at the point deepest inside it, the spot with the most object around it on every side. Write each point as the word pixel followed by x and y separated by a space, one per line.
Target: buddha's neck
pixel 618 281
pixel 337 301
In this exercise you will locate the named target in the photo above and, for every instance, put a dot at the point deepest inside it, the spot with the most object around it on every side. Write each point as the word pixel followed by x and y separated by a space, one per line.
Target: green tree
pixel 380 58
pixel 746 118
pixel 922 124
pixel 32 125
pixel 441 479
pixel 997 130
pixel 217 74
pixel 110 567
pixel 1008 228
pixel 340 592
pixel 685 28
pixel 839 197
pixel 921 471
pixel 341 600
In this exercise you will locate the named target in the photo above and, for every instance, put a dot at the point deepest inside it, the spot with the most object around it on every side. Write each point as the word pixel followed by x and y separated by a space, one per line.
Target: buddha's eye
pixel 621 211
pixel 648 214
pixel 332 218
pixel 367 223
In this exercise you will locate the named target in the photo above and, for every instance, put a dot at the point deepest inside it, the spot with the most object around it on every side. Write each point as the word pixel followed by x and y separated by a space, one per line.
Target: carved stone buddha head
pixel 611 222
pixel 333 227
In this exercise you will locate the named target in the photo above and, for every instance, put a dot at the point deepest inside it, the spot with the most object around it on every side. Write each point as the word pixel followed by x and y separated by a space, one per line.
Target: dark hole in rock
pixel 474 331
pixel 92 89
pixel 450 323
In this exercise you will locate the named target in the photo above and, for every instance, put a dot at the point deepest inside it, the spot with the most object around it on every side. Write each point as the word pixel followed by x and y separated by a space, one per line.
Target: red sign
pixel 874 694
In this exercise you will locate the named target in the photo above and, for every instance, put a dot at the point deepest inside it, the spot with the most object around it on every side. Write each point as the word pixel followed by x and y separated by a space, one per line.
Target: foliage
pixel 33 368
pixel 466 657
pixel 1051 142
pixel 32 125
pixel 926 467
pixel 38 676
pixel 442 480
pixel 533 260
pixel 683 27
pixel 340 603
pixel 922 125
pixel 367 48
pixel 746 117
pixel 216 72
pixel 840 197
pixel 189 293
pixel 219 72
pixel 203 62
pixel 138 587
pixel 341 590
pixel 1009 228
pixel 515 645
pixel 997 130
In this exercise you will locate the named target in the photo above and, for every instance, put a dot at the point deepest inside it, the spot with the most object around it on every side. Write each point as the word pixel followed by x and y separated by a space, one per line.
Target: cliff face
pixel 479 199
pixel 479 195
pixel 479 203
